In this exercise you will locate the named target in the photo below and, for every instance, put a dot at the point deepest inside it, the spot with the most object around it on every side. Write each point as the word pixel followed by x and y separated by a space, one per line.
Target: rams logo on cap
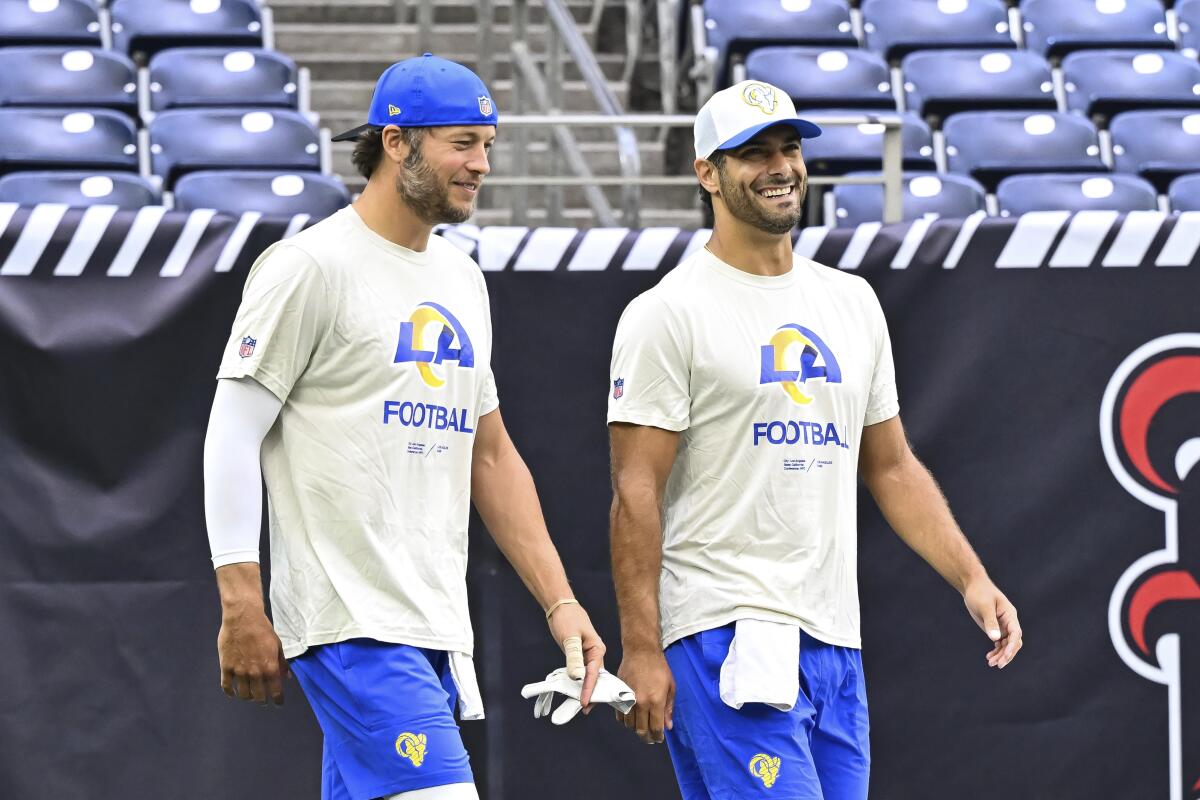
pixel 762 96
pixel 485 105
pixel 393 111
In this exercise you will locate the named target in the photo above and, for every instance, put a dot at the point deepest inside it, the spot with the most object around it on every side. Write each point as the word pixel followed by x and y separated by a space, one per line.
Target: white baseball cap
pixel 735 115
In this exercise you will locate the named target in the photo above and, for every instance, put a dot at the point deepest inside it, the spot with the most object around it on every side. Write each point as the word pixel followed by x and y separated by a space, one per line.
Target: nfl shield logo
pixel 618 388
pixel 485 105
pixel 247 348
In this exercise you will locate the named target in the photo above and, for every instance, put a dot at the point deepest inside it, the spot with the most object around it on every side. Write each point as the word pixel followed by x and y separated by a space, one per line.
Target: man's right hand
pixel 647 673
pixel 251 655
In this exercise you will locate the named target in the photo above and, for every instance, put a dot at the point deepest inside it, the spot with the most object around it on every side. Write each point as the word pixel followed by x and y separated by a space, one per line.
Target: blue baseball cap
pixel 426 91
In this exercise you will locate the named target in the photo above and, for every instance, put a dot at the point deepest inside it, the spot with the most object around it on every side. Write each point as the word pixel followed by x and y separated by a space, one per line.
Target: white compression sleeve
pixel 243 412
pixel 453 791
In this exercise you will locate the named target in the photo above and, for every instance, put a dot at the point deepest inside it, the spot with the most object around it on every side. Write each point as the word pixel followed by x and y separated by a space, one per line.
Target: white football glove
pixel 610 690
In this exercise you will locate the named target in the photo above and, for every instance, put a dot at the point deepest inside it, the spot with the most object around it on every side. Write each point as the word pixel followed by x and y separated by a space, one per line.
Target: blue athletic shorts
pixel 387 712
pixel 817 751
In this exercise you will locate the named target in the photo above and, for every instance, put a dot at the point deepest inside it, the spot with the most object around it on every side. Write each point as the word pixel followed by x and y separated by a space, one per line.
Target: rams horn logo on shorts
pixel 774 361
pixel 762 96
pixel 765 768
pixel 485 105
pixel 412 747
pixel 412 334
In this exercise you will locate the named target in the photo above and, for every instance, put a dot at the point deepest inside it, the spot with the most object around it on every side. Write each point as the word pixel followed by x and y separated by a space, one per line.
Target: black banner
pixel 1048 375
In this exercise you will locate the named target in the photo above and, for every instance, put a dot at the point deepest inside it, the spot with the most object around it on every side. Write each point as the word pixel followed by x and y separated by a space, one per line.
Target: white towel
pixel 462 670
pixel 763 665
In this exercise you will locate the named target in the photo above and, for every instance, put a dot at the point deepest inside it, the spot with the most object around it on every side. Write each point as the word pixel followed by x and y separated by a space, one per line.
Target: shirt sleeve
pixel 650 374
pixel 882 403
pixel 284 313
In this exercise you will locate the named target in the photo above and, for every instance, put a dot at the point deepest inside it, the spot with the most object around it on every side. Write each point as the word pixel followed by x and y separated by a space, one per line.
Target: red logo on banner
pixel 1150 430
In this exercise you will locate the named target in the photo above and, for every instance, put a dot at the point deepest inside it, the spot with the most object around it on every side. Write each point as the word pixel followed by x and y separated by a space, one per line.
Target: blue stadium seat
pixel 147 26
pixel 204 76
pixel 58 76
pixel 943 82
pixel 1056 27
pixel 186 140
pixel 924 193
pixel 1106 82
pixel 1158 145
pixel 235 192
pixel 734 28
pixel 1188 14
pixel 1065 191
pixel 816 77
pixel 897 27
pixel 49 22
pixel 844 148
pixel 1185 193
pixel 50 138
pixel 989 145
pixel 121 189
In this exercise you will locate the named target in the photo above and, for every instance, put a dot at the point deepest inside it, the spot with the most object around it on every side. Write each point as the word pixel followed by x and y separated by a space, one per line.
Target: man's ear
pixel 395 148
pixel 706 173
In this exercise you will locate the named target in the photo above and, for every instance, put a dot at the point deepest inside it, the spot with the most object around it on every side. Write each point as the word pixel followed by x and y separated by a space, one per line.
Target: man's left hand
pixel 571 620
pixel 992 612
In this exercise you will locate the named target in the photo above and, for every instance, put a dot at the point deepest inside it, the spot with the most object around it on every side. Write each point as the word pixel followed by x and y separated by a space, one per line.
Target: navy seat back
pixel 943 82
pixel 62 76
pixel 1056 27
pixel 844 148
pixel 48 138
pixel 953 196
pixel 213 76
pixel 238 191
pixel 1106 82
pixel 78 188
pixel 816 77
pixel 1187 12
pixel 186 140
pixel 147 26
pixel 74 22
pixel 1021 194
pixel 989 145
pixel 1158 145
pixel 896 27
pixel 736 28
pixel 1185 193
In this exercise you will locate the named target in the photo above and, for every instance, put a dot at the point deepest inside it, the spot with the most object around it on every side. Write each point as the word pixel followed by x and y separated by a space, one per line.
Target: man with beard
pixel 750 386
pixel 359 371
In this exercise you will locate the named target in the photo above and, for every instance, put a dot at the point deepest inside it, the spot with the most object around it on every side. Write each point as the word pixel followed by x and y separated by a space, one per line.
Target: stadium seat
pixel 734 29
pixel 202 76
pixel 924 193
pixel 186 140
pixel 1020 194
pixel 147 26
pixel 815 77
pixel 844 148
pixel 943 82
pixel 989 145
pixel 1105 82
pixel 68 22
pixel 1158 145
pixel 1187 12
pixel 1185 193
pixel 235 192
pixel 48 138
pixel 896 27
pixel 122 189
pixel 57 76
pixel 1056 27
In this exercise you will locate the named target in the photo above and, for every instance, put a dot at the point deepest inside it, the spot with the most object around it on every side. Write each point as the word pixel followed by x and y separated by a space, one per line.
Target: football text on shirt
pixel 773 369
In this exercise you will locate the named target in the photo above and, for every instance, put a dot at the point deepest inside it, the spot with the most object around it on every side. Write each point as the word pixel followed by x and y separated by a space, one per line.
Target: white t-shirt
pixel 382 358
pixel 770 380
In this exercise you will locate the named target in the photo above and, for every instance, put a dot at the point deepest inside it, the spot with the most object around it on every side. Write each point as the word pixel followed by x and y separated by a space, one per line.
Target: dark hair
pixel 717 159
pixel 368 148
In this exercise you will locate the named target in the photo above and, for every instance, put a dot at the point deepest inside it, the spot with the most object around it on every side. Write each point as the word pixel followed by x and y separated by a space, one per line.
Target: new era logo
pixel 393 111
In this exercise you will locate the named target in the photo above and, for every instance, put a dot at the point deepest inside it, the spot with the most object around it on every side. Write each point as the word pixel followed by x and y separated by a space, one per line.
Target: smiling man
pixel 750 387
pixel 359 375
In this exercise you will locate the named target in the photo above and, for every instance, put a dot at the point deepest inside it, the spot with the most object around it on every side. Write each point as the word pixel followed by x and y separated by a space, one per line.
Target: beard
pixel 419 188
pixel 743 205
